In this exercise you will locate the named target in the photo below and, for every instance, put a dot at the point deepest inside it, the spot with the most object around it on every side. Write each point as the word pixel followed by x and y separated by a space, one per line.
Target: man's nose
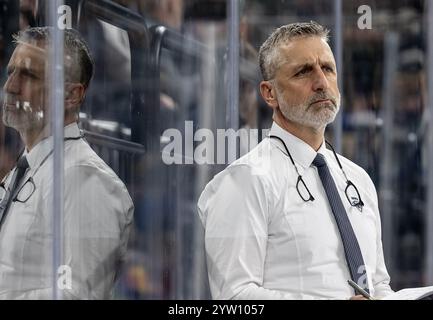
pixel 12 84
pixel 320 82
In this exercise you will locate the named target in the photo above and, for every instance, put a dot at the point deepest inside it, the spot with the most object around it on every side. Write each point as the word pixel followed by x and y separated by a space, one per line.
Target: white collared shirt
pixel 263 241
pixel 97 217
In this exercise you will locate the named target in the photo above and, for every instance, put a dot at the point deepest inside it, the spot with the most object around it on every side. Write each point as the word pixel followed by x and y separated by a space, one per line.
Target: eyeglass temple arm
pixel 338 160
pixel 285 147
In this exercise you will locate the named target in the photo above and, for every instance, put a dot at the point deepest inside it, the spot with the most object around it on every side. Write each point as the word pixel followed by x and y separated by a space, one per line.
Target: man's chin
pixel 316 119
pixel 6 119
pixel 12 125
pixel 320 122
pixel 326 114
pixel 11 121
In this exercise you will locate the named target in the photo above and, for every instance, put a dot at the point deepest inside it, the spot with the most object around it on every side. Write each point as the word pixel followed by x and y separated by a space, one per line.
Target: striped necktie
pixel 351 247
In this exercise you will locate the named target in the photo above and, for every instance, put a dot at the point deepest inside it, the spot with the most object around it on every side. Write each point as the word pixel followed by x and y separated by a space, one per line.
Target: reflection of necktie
pixel 350 243
pixel 20 170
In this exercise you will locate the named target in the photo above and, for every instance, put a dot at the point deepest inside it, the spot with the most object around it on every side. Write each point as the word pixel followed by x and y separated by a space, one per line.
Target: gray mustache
pixel 20 105
pixel 323 96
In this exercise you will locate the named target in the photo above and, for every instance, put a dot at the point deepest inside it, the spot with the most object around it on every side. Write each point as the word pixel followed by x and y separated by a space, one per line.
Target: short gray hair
pixel 82 66
pixel 268 57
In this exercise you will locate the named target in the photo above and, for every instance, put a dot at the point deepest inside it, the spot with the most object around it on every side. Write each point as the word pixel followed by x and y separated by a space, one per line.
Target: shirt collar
pixel 301 152
pixel 44 147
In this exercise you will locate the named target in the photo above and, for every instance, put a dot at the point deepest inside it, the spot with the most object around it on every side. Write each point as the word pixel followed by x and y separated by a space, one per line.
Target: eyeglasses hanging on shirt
pixel 22 195
pixel 28 188
pixel 351 191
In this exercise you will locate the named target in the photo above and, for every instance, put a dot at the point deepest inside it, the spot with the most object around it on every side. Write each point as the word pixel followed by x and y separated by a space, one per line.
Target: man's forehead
pixel 29 55
pixel 36 45
pixel 306 50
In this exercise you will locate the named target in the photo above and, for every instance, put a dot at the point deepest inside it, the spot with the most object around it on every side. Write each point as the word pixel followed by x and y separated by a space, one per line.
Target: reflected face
pixel 306 82
pixel 25 90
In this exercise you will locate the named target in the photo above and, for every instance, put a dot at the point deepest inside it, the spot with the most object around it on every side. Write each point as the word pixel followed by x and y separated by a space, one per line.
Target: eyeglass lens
pixel 303 191
pixel 26 191
pixel 352 194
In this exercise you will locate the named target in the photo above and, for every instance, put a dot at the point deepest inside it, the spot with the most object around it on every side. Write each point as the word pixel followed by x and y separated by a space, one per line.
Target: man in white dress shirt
pixel 97 207
pixel 272 230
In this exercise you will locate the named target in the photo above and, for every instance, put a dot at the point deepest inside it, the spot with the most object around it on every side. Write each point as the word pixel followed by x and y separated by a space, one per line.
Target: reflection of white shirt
pixel 264 242
pixel 97 215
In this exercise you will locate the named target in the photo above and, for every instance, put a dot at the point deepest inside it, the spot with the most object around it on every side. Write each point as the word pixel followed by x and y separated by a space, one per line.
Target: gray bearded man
pixel 292 219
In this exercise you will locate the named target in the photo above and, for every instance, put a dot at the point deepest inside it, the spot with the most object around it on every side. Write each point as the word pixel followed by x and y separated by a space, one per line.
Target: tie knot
pixel 22 163
pixel 319 160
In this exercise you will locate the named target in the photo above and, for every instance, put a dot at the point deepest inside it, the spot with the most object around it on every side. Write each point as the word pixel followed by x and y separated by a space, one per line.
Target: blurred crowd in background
pixel 166 250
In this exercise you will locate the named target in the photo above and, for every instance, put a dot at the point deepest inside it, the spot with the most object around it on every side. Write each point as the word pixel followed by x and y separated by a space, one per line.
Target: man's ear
pixel 268 93
pixel 74 95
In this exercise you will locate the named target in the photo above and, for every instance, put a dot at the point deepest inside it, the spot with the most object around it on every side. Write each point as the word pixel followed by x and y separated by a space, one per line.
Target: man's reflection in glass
pixel 97 207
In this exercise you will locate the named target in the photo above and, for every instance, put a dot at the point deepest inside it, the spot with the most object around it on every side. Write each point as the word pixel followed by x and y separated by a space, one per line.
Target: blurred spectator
pixel 166 12
pixel 248 97
pixel 28 9
pixel 175 68
pixel 108 100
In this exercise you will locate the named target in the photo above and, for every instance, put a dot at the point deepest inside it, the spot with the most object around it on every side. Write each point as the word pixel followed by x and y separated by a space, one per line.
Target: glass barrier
pixel 149 100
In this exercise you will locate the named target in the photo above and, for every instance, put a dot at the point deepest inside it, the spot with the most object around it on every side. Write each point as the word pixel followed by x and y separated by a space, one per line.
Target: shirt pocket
pixel 295 213
pixel 311 230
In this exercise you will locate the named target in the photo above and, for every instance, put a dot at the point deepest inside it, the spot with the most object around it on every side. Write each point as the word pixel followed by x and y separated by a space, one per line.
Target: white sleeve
pixel 234 210
pixel 381 278
pixel 97 219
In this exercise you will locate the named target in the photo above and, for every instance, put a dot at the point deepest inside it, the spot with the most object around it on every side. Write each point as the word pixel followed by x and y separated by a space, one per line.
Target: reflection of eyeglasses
pixel 351 191
pixel 22 195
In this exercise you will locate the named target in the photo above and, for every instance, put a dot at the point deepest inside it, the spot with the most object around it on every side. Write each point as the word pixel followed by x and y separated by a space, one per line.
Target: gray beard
pixel 308 118
pixel 21 120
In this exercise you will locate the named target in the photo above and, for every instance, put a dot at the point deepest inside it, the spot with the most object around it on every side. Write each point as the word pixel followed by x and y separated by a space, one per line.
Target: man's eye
pixel 302 72
pixel 328 69
pixel 29 75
